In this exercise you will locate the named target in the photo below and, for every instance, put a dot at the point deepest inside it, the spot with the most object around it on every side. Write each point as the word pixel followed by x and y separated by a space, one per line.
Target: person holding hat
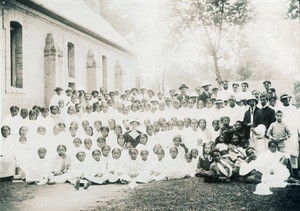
pixel 133 135
pixel 252 116
pixel 205 95
pixel 268 114
pixel 182 95
pixel 57 96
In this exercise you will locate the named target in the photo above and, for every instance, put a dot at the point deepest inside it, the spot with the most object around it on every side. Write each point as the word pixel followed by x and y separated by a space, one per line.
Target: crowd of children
pixel 139 137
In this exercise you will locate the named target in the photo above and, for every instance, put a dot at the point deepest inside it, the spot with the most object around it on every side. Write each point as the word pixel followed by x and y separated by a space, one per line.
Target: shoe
pixel 88 184
pixel 51 182
pixel 77 184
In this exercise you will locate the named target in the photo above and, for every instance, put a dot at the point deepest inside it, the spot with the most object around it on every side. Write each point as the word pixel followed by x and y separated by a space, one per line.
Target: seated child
pixel 189 167
pixel 158 166
pixel 176 164
pixel 39 169
pixel 97 173
pixel 60 169
pixel 220 170
pixel 115 166
pixel 204 161
pixel 106 155
pixel 195 156
pixel 78 172
pixel 182 149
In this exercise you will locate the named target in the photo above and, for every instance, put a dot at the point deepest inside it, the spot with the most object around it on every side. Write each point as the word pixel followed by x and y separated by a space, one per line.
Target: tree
pixel 214 18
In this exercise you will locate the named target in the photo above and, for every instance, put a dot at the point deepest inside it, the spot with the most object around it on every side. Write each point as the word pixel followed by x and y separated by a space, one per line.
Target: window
pixel 104 71
pixel 16 55
pixel 71 60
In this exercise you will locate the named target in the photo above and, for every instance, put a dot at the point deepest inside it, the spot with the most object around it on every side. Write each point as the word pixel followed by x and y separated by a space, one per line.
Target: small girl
pixel 106 155
pixel 190 168
pixel 115 166
pixel 204 161
pixel 176 164
pixel 39 169
pixel 61 166
pixel 97 169
pixel 101 142
pixel 158 168
pixel 143 142
pixel 78 172
pixel 180 146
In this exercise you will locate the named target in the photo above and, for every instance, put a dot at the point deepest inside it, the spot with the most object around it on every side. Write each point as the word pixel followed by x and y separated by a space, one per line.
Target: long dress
pixel 60 169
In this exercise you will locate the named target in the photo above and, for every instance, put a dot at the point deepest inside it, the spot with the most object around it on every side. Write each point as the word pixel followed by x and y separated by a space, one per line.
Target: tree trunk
pixel 217 69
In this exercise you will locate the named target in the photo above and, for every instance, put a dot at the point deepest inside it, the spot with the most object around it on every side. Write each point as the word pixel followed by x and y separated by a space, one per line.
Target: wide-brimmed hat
pixel 262 189
pixel 135 120
pixel 69 89
pixel 260 131
pixel 246 84
pixel 183 86
pixel 134 89
pixel 58 88
pixel 218 101
pixel 285 96
pixel 235 84
pixel 205 83
pixel 252 98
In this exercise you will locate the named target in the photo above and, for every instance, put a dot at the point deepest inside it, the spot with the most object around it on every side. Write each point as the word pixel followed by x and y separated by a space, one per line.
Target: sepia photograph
pixel 149 105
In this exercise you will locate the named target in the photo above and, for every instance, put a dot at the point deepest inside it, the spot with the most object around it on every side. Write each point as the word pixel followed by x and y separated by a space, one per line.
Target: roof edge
pixel 40 8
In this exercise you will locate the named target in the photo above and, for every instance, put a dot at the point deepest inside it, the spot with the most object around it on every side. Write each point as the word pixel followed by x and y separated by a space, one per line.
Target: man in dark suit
pixel 205 95
pixel 133 136
pixel 268 114
pixel 183 96
pixel 253 116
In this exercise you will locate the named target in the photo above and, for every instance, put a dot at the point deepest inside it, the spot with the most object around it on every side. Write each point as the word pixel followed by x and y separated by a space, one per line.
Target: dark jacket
pixel 129 138
pixel 268 116
pixel 257 119
pixel 204 97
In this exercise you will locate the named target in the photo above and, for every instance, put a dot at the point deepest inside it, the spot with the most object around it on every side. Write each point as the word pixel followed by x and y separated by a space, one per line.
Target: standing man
pixel 183 96
pixel 252 116
pixel 268 114
pixel 205 95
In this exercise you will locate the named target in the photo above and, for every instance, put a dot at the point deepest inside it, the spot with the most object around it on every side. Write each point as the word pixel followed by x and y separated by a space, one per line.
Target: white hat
pixel 262 189
pixel 205 83
pixel 135 120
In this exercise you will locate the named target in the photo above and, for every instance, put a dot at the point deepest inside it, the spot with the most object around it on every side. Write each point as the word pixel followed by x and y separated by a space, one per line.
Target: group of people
pixel 139 136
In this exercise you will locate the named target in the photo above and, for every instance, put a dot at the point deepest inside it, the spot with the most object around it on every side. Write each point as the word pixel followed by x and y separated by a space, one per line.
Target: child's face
pixel 235 140
pixel 128 145
pixel 144 155
pixel 216 156
pixel 97 126
pixel 61 151
pixel 61 104
pixel 238 125
pixel 96 155
pixel 118 131
pixel 23 131
pixel 187 122
pixel 133 155
pixel 278 117
pixel 41 131
pixel 273 148
pixel 195 153
pixel 56 130
pixel 194 124
pixel 188 159
pixel 54 110
pixel 77 142
pixel 88 144
pixel 116 154
pixel 160 155
pixel 104 133
pixel 89 131
pixel 177 142
pixel 226 121
pixel 251 154
pixel 156 148
pixel 24 114
pixel 207 149
pixel 215 125
pixel 222 139
pixel 209 104
pixel 106 151
pixel 143 140
pixel 180 125
pixel 42 154
pixel 202 124
pixel 81 157
pixel 173 153
pixel 85 124
pixel 121 141
pixel 111 123
pixel 72 131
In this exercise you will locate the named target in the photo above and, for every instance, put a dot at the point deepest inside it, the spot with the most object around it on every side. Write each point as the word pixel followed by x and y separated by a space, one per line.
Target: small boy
pixel 278 131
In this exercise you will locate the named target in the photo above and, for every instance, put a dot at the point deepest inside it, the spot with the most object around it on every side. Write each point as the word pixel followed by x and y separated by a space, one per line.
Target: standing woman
pixel 133 135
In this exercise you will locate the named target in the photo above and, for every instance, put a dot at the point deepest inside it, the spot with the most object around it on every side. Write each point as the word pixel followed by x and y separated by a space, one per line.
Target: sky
pixel 273 41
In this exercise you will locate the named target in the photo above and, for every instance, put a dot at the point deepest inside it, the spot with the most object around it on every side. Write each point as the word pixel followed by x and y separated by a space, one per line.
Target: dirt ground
pixel 186 194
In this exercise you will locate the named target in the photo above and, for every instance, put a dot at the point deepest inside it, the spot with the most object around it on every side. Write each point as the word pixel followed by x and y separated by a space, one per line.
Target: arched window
pixel 16 55
pixel 104 71
pixel 71 60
